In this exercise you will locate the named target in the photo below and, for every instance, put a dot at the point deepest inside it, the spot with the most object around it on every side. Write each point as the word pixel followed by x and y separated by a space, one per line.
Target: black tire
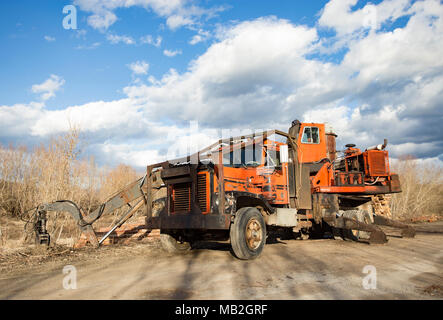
pixel 248 233
pixel 360 216
pixel 171 245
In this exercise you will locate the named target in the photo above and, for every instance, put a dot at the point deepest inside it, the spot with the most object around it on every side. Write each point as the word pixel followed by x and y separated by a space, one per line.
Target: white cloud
pixel 115 39
pixel 16 120
pixel 92 117
pixel 127 153
pixel 88 47
pixel 338 15
pixel 81 34
pixel 171 53
pixel 176 21
pixel 434 161
pixel 247 72
pixel 139 67
pixel 201 36
pixel 196 39
pixel 148 39
pixel 49 87
pixel 413 148
pixel 49 38
pixel 177 13
pixel 102 21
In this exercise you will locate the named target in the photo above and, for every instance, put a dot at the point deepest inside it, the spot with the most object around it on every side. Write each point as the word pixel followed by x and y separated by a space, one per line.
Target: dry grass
pixel 53 172
pixel 422 189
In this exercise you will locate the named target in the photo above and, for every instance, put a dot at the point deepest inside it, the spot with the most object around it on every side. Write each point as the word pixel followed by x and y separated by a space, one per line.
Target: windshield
pixel 249 156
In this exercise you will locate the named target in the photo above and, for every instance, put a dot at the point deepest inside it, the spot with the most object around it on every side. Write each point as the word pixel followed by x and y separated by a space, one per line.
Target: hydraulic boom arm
pixel 118 200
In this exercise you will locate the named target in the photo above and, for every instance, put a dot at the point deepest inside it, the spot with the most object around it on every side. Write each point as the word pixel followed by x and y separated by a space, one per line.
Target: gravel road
pixel 287 269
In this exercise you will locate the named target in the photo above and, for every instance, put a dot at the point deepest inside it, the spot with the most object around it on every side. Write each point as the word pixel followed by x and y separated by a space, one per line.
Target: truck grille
pixel 181 197
pixel 202 193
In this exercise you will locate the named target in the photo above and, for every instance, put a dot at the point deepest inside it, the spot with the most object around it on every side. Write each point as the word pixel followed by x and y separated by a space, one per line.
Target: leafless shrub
pixel 54 172
pixel 116 179
pixel 422 189
pixel 3 234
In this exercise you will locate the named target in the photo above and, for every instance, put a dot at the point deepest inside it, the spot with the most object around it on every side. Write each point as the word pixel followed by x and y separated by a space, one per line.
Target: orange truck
pixel 246 188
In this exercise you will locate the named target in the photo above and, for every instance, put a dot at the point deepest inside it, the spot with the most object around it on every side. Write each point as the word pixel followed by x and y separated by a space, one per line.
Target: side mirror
pixel 284 153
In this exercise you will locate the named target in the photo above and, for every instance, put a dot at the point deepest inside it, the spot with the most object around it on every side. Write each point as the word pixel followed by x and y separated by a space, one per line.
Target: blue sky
pixel 135 71
pixel 100 73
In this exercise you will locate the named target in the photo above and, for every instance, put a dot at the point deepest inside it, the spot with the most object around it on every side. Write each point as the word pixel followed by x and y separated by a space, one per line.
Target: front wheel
pixel 248 233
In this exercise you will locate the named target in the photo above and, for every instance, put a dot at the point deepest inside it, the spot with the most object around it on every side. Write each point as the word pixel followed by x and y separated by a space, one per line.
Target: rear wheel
pixel 248 233
pixel 172 245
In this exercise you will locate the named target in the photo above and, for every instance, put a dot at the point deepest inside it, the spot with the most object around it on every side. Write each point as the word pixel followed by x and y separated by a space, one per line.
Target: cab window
pixel 311 135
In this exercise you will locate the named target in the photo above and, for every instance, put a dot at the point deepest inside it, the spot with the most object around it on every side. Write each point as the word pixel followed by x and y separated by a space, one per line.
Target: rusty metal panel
pixel 395 184
pixel 175 172
pixel 303 187
pixel 331 145
pixel 377 163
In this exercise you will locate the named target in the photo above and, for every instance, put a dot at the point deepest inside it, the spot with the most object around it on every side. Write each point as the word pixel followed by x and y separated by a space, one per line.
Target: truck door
pixel 299 183
pixel 298 174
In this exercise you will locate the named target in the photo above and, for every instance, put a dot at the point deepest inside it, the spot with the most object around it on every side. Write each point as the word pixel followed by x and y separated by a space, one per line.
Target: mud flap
pixel 303 187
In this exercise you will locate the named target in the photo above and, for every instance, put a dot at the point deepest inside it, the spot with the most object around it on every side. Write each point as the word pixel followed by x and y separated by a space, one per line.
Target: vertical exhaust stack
pixel 294 129
pixel 330 142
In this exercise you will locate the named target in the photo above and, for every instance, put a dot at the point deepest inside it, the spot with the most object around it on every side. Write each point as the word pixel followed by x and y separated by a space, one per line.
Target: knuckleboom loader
pixel 244 188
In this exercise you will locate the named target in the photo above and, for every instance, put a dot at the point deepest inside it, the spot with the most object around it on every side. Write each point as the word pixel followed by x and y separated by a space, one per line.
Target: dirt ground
pixel 287 269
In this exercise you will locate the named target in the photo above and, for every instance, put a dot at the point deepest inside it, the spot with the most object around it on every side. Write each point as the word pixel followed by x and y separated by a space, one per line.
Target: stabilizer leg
pixel 406 230
pixel 377 236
